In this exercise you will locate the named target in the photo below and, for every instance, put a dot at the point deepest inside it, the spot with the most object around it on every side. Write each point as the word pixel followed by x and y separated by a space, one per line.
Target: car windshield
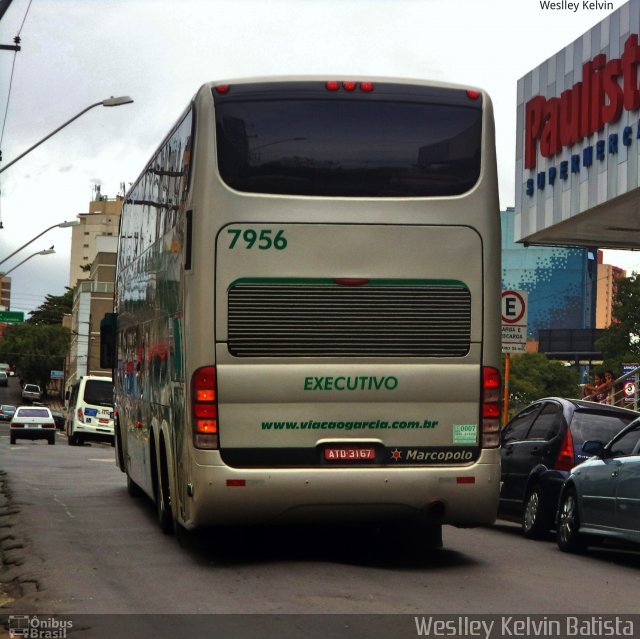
pixel 32 412
pixel 32 387
pixel 5 408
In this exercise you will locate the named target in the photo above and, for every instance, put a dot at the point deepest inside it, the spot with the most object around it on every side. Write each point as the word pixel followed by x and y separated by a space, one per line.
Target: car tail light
pixel 566 458
pixel 204 408
pixel 80 416
pixel 491 411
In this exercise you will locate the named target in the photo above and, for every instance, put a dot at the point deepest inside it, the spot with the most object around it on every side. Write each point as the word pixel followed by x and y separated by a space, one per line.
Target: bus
pixel 307 308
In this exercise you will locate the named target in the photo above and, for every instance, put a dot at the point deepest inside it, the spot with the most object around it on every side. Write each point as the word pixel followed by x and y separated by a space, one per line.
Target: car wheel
pixel 568 534
pixel 51 440
pixel 71 440
pixel 12 439
pixel 536 521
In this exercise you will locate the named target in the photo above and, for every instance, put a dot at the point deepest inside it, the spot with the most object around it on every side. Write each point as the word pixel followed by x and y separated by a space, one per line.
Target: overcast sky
pixel 77 52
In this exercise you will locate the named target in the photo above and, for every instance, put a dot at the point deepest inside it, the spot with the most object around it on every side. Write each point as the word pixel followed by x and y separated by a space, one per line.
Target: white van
pixel 90 413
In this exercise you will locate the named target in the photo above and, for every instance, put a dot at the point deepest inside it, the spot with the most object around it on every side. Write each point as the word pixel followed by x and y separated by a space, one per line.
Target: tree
pixel 35 350
pixel 53 308
pixel 533 376
pixel 620 342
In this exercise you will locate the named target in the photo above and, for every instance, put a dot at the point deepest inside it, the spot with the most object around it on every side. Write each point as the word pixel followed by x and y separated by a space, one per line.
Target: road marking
pixel 55 498
pixel 101 459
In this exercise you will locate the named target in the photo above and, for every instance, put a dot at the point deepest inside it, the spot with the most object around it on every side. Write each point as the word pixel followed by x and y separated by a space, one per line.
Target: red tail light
pixel 491 410
pixel 80 416
pixel 566 459
pixel 204 404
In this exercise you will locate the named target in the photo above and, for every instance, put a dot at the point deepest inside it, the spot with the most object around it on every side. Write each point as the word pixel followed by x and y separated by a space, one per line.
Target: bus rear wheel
pixel 163 496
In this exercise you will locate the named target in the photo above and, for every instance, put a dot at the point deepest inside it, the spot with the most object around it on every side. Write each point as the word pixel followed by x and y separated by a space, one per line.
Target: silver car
pixel 601 497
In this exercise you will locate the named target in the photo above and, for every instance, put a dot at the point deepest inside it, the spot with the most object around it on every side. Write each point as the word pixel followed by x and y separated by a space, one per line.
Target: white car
pixel 32 422
pixel 31 393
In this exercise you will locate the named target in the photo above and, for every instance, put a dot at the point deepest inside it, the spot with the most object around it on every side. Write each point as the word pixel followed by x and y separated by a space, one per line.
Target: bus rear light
pixel 207 426
pixel 465 480
pixel 474 95
pixel 236 482
pixel 350 281
pixel 348 85
pixel 205 411
pixel 491 407
pixel 204 408
pixel 222 89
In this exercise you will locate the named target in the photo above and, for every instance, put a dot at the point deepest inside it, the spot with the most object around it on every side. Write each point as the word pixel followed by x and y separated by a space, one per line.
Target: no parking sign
pixel 514 321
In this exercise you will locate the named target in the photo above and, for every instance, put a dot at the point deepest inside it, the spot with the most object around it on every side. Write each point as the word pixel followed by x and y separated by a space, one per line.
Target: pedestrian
pixel 590 390
pixel 608 388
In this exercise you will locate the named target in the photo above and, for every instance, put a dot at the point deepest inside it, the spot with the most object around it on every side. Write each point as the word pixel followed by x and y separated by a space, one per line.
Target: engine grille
pixel 305 320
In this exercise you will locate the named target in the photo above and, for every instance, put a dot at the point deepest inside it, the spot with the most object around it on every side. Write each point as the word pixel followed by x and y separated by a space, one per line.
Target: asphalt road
pixel 79 544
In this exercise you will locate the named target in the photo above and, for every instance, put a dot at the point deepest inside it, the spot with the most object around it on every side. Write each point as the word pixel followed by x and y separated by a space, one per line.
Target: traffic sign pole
pixel 505 407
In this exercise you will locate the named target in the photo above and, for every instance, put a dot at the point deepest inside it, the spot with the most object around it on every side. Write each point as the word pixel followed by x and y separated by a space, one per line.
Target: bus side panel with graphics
pixel 308 308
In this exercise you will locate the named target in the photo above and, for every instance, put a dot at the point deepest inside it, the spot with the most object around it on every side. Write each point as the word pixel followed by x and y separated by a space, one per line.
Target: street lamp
pixel 61 225
pixel 45 252
pixel 109 102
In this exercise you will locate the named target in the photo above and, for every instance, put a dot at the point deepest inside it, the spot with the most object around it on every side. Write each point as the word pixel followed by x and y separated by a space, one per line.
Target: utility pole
pixel 4 5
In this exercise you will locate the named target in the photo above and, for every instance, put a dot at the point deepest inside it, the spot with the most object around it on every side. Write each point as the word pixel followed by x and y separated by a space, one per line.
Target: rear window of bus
pixel 394 142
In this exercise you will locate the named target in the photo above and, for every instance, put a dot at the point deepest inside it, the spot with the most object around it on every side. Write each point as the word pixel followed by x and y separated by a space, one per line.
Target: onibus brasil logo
pixel 34 627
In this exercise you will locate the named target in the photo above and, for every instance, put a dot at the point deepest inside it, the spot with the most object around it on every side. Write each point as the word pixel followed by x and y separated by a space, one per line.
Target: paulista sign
pixel 514 321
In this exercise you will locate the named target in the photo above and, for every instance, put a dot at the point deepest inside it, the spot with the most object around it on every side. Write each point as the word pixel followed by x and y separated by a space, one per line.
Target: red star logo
pixel 396 455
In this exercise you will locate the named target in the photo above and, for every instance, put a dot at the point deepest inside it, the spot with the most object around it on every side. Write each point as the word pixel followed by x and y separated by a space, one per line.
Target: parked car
pixel 4 379
pixel 7 369
pixel 6 412
pixel 601 497
pixel 540 446
pixel 31 393
pixel 58 418
pixel 32 422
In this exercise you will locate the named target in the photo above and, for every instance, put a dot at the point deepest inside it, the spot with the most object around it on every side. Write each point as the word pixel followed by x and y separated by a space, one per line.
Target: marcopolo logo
pixel 351 383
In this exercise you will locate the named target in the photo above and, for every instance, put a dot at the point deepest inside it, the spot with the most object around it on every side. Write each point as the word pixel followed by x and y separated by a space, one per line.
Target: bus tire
pixel 117 442
pixel 132 488
pixel 163 497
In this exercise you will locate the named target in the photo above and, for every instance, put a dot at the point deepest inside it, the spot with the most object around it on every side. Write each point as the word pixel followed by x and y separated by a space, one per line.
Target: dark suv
pixel 540 445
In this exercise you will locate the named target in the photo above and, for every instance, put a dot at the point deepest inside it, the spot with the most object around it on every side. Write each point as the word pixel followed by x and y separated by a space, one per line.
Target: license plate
pixel 34 425
pixel 349 453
